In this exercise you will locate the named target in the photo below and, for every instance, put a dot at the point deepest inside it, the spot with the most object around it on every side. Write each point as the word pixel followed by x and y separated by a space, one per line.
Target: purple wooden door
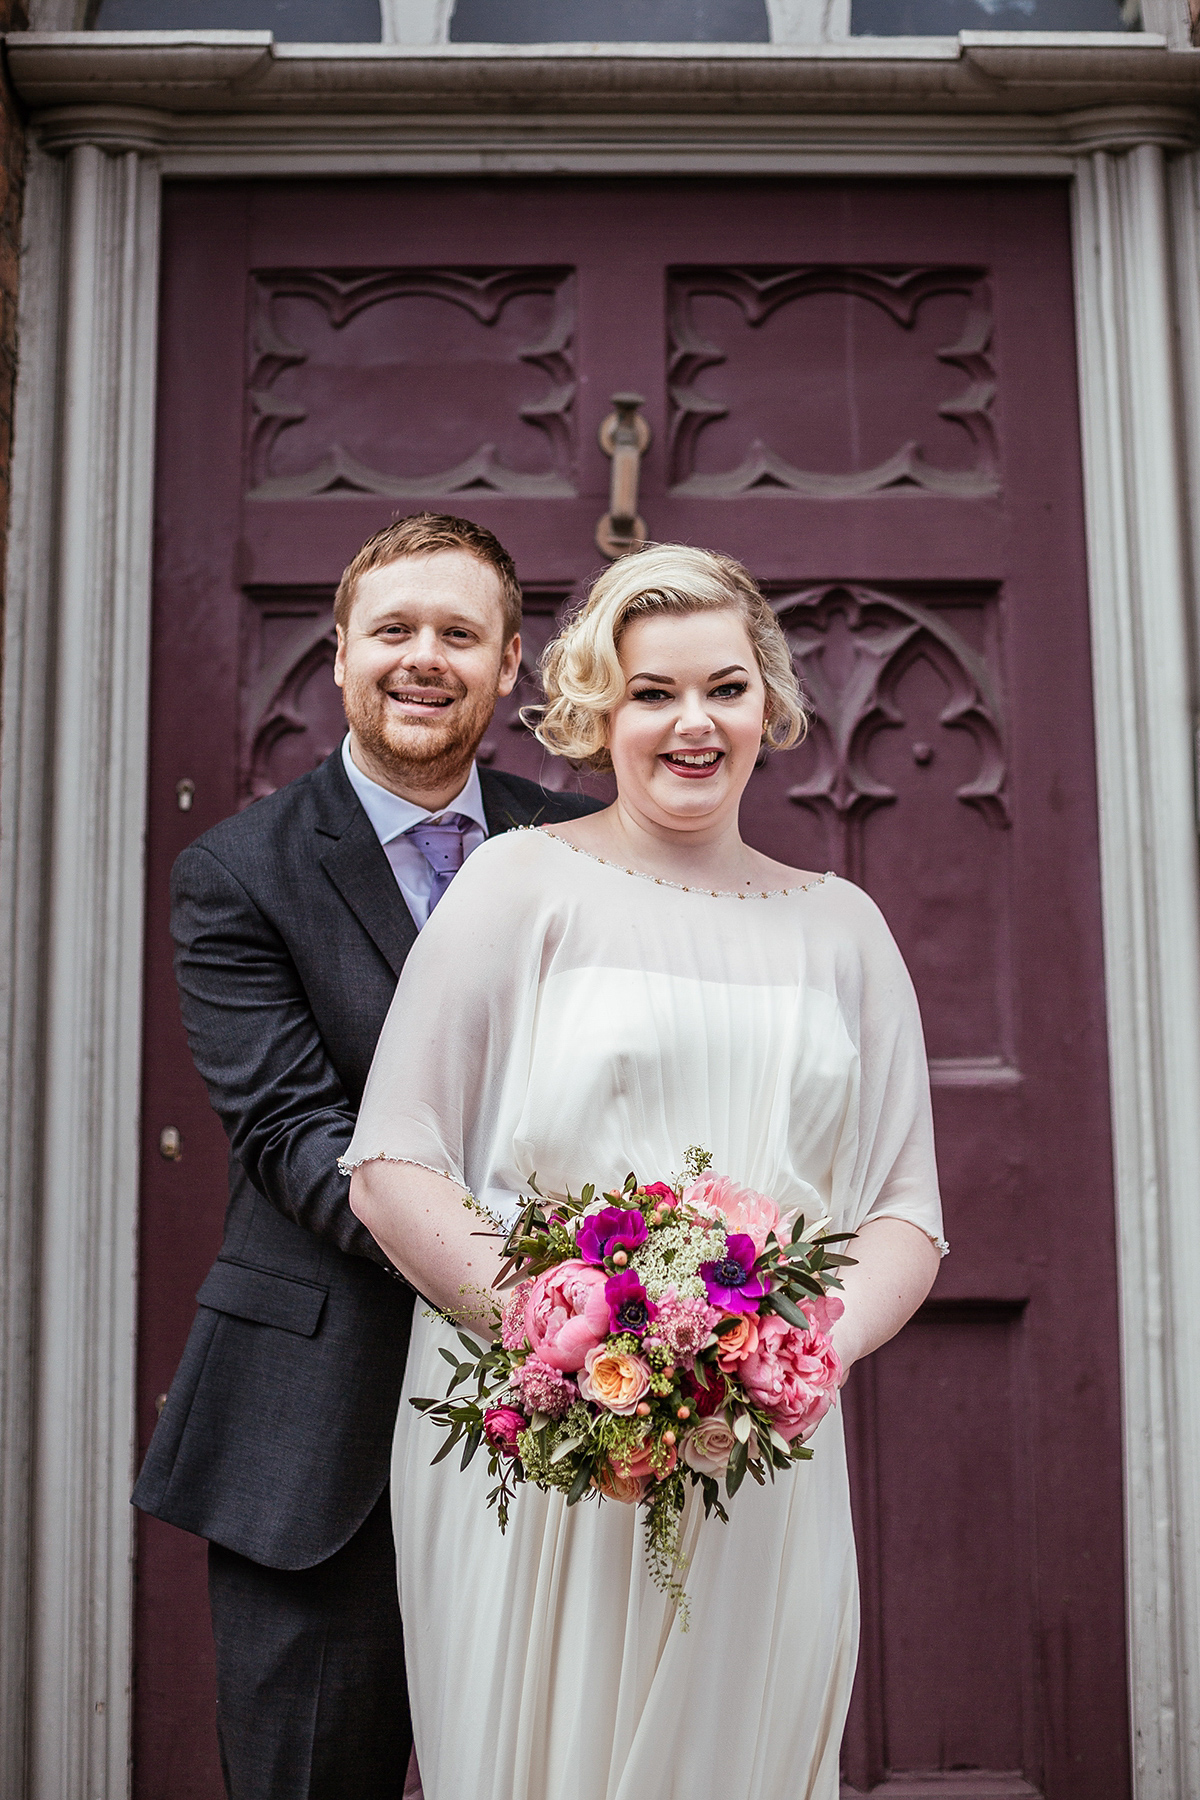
pixel 866 391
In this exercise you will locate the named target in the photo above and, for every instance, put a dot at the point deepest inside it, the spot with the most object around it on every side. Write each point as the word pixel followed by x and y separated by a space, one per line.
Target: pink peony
pixel 566 1314
pixel 743 1210
pixel 502 1425
pixel 684 1326
pixel 544 1389
pixel 794 1375
pixel 512 1318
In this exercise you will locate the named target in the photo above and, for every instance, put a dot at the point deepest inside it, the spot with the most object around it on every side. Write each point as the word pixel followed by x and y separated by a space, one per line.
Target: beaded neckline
pixel 681 887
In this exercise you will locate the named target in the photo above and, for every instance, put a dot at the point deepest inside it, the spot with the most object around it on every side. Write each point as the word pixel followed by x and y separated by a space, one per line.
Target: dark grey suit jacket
pixel 290 934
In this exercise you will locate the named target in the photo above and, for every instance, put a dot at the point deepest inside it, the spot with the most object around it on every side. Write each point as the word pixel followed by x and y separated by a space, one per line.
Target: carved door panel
pixel 865 391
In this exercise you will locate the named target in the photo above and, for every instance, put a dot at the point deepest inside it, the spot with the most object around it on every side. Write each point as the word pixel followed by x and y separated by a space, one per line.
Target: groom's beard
pixel 420 753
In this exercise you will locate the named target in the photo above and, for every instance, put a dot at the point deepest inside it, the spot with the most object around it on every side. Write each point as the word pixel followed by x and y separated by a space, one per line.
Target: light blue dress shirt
pixel 392 816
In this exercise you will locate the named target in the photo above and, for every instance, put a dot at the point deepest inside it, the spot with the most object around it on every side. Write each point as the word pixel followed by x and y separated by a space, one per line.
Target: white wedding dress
pixel 566 1017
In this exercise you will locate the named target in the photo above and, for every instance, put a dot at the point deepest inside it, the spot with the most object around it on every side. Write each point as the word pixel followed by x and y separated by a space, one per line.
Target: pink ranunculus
pixel 744 1211
pixel 658 1190
pixel 566 1314
pixel 793 1375
pixel 502 1426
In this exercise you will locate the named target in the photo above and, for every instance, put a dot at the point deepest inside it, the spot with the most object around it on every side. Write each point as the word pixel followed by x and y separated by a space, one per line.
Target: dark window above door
pixel 610 21
pixel 292 21
pixel 946 18
pixel 602 21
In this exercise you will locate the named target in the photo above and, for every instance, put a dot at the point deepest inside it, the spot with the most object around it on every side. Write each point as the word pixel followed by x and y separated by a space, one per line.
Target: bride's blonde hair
pixel 581 670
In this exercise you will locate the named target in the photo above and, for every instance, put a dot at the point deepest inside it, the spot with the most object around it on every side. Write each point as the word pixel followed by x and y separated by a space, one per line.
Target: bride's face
pixel 685 737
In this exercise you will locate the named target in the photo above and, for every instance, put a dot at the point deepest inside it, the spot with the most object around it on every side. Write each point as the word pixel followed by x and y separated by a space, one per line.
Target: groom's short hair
pixel 422 534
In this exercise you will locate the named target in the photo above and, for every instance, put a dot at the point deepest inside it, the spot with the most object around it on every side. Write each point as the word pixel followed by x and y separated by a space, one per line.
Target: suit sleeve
pixel 259 1052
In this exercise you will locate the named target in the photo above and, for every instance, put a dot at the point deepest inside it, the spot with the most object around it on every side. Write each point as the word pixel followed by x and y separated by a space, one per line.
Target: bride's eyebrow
pixel 669 680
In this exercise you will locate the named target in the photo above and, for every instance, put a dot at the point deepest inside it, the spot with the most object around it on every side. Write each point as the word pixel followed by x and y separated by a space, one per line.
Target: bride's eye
pixel 650 693
pixel 730 690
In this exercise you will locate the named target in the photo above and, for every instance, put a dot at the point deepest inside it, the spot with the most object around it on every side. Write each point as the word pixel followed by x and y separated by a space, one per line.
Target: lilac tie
pixel 440 842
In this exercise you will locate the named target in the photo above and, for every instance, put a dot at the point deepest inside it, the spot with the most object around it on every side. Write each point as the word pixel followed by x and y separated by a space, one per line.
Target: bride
pixel 591 999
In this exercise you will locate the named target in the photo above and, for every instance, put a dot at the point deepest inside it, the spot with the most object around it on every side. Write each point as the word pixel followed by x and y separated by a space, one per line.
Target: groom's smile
pixel 421 662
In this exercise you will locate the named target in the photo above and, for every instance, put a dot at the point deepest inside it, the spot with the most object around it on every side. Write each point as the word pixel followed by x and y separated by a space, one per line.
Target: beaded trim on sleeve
pixel 346 1167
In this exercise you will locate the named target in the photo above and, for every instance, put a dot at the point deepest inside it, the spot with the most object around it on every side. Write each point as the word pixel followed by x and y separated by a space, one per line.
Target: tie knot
pixel 440 842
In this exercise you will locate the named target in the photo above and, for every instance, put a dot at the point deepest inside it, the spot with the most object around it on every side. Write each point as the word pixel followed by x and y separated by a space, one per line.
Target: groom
pixel 292 922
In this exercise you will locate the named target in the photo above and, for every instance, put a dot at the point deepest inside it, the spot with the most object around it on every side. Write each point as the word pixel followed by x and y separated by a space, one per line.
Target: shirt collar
pixel 391 816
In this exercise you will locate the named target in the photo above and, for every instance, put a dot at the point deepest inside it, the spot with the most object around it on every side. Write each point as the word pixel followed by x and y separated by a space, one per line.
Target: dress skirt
pixel 544 1665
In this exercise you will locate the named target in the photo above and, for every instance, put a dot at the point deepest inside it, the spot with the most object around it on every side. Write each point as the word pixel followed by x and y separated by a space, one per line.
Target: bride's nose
pixel 694 718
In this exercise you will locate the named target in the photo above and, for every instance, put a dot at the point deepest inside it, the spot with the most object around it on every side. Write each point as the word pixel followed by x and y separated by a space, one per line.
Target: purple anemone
pixel 602 1233
pixel 630 1307
pixel 731 1282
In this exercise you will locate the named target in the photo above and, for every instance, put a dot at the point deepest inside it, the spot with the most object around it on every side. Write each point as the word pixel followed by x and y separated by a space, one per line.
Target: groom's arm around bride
pixel 292 922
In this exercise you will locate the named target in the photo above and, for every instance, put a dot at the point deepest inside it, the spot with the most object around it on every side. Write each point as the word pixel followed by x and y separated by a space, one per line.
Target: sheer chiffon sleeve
pixel 455 1044
pixel 892 1168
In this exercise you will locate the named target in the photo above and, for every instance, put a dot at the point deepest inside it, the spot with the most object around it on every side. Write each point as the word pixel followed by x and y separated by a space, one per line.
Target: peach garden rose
pixel 614 1379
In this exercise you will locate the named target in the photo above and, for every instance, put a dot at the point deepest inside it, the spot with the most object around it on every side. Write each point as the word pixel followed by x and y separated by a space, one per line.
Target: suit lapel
pixel 503 806
pixel 354 861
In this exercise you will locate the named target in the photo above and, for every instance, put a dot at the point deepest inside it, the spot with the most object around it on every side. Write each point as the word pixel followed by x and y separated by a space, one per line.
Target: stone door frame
pixel 115 114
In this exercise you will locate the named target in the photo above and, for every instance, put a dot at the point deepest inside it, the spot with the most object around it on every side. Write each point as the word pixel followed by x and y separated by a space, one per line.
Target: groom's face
pixel 421 663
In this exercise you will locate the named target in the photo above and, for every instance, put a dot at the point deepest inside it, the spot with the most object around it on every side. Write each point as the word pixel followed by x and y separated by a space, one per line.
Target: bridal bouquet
pixel 659 1335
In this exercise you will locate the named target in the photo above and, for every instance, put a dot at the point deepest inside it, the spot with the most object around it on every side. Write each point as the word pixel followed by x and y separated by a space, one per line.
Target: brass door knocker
pixel 624 436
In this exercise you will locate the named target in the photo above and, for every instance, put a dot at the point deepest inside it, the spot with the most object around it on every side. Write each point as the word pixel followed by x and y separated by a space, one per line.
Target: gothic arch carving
pixel 852 675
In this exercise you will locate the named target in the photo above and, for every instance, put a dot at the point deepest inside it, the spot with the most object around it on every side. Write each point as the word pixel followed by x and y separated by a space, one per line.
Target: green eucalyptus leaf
pixel 447 1447
pixel 579 1486
pixel 787 1309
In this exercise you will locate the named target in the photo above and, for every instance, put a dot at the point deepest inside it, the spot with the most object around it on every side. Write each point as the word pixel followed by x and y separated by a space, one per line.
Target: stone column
pixel 1140 581
pixel 74 751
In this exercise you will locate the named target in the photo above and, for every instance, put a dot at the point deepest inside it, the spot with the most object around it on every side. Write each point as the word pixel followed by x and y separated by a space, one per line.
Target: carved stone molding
pixel 851 675
pixel 291 384
pixel 760 294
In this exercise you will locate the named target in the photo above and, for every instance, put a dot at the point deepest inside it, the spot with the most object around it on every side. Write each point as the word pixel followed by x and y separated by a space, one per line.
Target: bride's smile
pixel 685 735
